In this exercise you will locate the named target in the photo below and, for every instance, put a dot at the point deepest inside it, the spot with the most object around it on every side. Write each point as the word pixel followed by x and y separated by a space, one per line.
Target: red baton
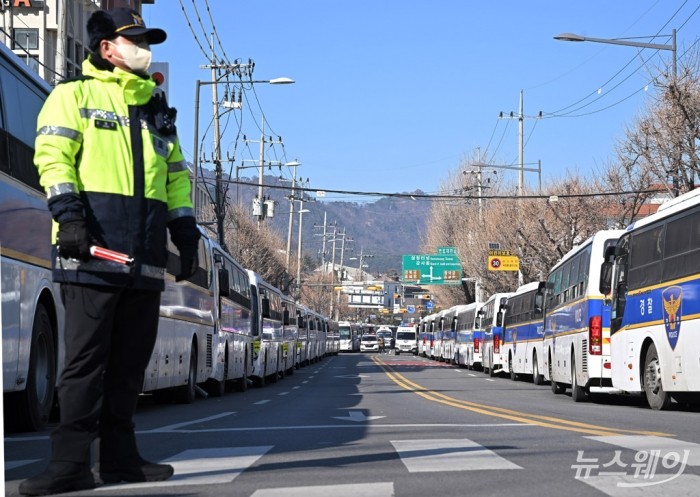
pixel 110 255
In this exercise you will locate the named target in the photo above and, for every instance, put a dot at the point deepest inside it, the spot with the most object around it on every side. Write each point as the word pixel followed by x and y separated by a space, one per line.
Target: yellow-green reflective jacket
pixel 96 138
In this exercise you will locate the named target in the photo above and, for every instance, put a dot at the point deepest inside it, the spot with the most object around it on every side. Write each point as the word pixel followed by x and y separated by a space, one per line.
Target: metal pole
pixel 520 147
pixel 323 244
pixel 301 213
pixel 261 172
pixel 219 198
pixel 195 153
pixel 291 220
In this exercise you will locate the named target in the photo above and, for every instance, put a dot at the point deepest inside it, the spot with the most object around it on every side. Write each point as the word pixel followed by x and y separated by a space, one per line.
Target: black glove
pixel 185 235
pixel 188 263
pixel 73 240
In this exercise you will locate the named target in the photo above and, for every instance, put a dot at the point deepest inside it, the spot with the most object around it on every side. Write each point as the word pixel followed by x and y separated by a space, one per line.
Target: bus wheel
pixel 217 388
pixel 537 377
pixel 242 383
pixel 513 376
pixel 492 371
pixel 188 391
pixel 30 409
pixel 557 388
pixel 656 395
pixel 578 394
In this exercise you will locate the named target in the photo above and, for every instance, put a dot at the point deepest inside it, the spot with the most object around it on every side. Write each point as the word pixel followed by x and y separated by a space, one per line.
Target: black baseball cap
pixel 108 24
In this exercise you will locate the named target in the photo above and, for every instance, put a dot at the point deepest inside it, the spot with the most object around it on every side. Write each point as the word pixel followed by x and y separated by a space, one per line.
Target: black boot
pixel 133 470
pixel 59 477
pixel 120 461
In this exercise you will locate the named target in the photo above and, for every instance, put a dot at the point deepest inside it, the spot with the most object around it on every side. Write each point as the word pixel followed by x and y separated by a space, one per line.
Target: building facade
pixel 50 35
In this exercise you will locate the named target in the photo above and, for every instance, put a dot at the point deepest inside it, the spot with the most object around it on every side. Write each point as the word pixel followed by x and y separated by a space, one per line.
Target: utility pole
pixel 291 216
pixel 219 198
pixel 521 144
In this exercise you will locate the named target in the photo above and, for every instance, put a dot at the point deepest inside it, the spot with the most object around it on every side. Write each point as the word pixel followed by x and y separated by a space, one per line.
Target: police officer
pixel 110 161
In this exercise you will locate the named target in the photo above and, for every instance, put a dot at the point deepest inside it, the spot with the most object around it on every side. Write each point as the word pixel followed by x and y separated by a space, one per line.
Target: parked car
pixel 369 343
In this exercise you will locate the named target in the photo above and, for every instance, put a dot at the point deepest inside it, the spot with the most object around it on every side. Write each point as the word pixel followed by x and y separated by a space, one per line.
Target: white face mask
pixel 135 57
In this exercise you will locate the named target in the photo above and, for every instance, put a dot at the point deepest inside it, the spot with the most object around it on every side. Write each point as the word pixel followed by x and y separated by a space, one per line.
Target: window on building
pixel 27 39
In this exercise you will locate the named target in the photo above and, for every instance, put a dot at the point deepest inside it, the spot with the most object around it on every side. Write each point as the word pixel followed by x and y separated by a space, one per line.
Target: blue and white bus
pixel 655 291
pixel 491 315
pixel 523 332
pixel 32 315
pixel 576 344
pixel 465 325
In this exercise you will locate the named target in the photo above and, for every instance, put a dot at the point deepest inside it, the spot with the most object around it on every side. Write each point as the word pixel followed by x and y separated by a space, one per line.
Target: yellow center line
pixel 500 412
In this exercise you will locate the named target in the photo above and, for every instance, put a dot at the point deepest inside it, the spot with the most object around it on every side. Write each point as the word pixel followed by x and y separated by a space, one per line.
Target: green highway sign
pixel 431 269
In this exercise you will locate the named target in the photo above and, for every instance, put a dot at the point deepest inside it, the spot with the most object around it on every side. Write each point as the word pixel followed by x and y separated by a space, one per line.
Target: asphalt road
pixel 381 425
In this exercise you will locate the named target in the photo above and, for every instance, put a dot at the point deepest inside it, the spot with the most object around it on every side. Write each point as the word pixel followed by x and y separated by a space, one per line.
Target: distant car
pixel 385 332
pixel 369 343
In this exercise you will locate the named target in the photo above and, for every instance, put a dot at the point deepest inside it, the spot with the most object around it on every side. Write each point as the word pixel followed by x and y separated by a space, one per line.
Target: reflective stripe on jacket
pixel 95 137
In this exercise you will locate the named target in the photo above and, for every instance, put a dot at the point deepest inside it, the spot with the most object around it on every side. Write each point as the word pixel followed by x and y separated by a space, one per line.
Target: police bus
pixel 32 315
pixel 268 316
pixel 491 316
pixel 655 292
pixel 523 331
pixel 576 344
pixel 464 341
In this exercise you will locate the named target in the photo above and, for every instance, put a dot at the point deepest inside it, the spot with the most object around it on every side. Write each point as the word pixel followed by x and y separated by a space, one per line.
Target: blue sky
pixel 393 95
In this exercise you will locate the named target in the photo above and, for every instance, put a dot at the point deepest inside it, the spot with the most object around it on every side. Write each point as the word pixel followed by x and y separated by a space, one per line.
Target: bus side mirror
pixel 605 285
pixel 224 286
pixel 285 317
pixel 539 302
pixel 265 307
pixel 499 318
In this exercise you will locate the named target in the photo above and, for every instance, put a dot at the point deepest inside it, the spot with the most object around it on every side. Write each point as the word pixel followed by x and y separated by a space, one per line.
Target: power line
pixel 429 196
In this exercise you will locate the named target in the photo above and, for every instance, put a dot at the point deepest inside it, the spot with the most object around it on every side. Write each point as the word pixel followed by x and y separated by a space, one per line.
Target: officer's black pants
pixel 109 336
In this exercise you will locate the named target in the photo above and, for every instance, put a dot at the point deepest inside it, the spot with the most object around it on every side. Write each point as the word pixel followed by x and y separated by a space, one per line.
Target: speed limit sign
pixel 495 262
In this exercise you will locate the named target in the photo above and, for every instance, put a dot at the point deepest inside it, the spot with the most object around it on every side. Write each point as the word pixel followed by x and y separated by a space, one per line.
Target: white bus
pixel 32 315
pixel 426 344
pixel 491 317
pixel 576 345
pixel 349 336
pixel 447 333
pixel 268 316
pixel 655 311
pixel 464 340
pixel 523 332
pixel 204 330
pixel 291 344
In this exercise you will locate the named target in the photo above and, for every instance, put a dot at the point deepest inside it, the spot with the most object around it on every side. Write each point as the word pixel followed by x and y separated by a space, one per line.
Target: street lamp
pixel 630 43
pixel 217 150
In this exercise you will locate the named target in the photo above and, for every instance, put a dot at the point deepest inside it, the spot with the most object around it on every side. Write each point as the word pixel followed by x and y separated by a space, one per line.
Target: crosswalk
pixel 650 466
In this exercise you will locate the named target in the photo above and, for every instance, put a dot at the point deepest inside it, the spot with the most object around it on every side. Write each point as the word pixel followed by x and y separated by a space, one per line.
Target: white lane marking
pixel 283 393
pixel 294 388
pixel 204 466
pixel 489 379
pixel 17 464
pixel 664 445
pixel 193 421
pixel 425 456
pixel 363 426
pixel 352 376
pixel 347 490
pixel 658 486
pixel 261 402
pixel 304 382
pixel 357 417
pixel 472 375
